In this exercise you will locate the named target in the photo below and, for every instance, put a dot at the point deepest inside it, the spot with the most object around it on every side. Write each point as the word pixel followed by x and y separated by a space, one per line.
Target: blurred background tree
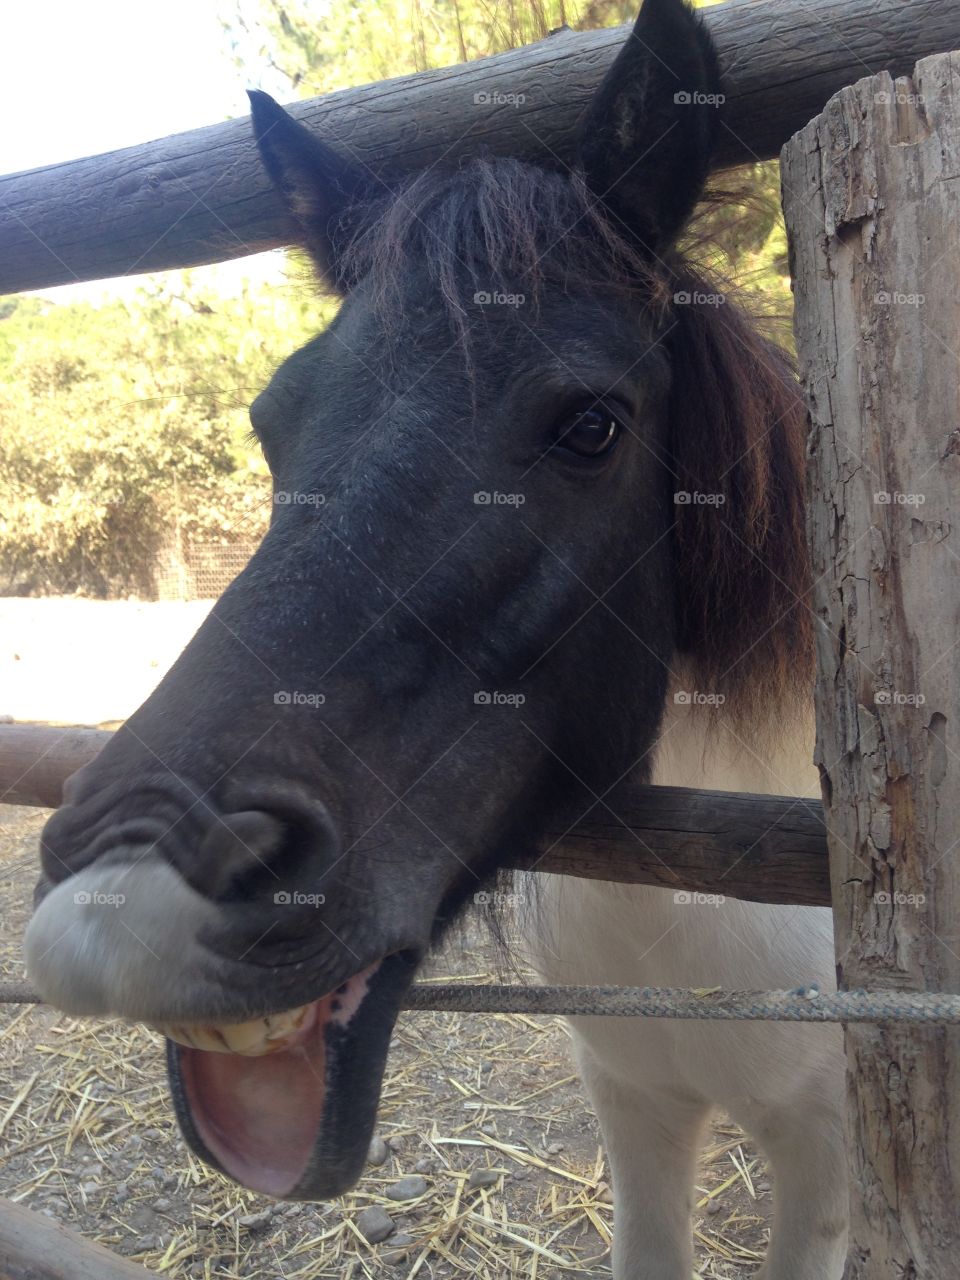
pixel 124 422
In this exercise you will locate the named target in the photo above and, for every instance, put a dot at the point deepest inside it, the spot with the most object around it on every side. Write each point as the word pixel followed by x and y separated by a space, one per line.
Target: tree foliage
pixel 122 423
pixel 305 48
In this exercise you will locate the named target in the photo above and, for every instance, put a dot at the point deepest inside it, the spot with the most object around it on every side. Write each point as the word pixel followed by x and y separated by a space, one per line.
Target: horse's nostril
pixel 280 848
pixel 238 846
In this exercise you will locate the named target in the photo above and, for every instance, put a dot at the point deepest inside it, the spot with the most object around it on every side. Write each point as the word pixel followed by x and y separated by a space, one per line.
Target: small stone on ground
pixel 407 1188
pixel 374 1224
pixel 379 1151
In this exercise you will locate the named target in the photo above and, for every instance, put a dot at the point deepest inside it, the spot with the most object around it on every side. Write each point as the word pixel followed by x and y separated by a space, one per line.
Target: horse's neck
pixel 696 748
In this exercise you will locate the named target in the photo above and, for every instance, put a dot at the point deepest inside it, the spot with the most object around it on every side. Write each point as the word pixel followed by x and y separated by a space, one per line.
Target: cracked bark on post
pixel 871 192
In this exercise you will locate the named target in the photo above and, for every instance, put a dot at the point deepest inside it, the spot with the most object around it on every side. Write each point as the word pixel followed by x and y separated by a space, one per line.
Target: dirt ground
pixel 485 1110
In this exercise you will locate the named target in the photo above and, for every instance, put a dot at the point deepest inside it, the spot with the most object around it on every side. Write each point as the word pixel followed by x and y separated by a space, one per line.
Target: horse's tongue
pixel 261 1118
pixel 258 1117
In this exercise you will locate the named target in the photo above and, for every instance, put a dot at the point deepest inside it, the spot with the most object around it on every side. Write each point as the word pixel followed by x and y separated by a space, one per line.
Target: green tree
pixel 121 423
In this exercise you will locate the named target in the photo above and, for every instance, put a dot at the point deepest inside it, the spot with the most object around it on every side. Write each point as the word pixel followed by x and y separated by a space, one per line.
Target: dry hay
pixel 87 1136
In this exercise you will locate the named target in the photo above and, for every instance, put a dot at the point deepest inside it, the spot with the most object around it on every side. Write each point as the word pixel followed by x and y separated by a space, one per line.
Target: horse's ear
pixel 320 189
pixel 647 135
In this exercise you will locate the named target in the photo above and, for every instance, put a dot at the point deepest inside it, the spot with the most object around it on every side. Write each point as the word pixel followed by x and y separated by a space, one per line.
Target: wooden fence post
pixel 872 198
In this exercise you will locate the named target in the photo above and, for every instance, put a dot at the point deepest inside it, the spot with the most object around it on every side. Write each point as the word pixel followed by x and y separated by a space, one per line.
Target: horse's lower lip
pixel 294 1120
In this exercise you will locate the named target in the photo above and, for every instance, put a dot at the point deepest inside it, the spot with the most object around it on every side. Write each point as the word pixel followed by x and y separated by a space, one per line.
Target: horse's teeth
pixel 251 1039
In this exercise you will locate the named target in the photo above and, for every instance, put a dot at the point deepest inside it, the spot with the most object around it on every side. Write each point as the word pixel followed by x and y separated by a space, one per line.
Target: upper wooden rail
pixel 201 196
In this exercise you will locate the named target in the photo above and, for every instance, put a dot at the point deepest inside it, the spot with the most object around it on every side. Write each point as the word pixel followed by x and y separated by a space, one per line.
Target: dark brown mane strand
pixel 737 419
pixel 493 224
pixel 738 431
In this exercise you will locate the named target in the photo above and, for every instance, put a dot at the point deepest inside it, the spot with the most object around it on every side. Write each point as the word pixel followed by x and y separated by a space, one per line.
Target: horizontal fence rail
pixel 34 1247
pixel 201 196
pixel 697 843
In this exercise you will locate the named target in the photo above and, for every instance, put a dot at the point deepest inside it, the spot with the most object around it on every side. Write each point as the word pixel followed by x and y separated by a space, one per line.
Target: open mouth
pixel 286 1104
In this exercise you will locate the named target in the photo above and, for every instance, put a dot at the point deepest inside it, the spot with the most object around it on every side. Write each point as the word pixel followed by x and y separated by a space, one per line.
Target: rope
pixel 805 1004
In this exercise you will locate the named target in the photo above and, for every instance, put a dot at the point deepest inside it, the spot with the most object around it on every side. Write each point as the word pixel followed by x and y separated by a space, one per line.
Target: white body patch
pixel 654 1081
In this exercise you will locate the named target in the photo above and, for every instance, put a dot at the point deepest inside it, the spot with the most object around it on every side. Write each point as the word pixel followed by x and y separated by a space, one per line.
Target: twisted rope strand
pixel 804 1004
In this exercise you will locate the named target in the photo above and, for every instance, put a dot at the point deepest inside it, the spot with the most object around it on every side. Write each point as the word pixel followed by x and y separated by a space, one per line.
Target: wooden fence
pixel 761 848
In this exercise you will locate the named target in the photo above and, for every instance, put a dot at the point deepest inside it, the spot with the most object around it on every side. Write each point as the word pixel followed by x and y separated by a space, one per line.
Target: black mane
pixel 494 224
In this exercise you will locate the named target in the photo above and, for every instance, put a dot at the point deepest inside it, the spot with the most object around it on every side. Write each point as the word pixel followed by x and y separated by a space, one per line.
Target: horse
pixel 538 524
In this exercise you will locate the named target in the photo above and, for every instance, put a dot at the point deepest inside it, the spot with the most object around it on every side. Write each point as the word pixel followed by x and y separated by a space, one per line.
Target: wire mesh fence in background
pixel 199 571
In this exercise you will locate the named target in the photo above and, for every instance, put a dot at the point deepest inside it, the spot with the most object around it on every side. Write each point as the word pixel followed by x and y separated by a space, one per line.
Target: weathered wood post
pixel 872 198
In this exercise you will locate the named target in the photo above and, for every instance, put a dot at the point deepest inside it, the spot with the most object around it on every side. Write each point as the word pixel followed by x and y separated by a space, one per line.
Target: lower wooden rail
pixel 759 848
pixel 34 1247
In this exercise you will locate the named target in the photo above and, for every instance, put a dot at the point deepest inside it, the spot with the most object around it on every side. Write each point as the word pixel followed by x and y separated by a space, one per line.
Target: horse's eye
pixel 589 433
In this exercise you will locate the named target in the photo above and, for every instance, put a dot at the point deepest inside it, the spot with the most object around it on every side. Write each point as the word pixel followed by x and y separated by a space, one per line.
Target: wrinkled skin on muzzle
pixel 458 626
